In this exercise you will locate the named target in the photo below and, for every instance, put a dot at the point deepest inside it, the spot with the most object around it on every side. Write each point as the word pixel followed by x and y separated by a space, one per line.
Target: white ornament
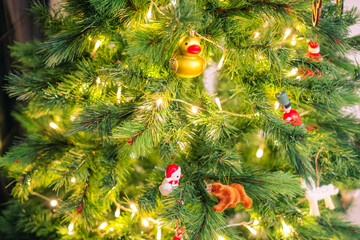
pixel 210 78
pixel 171 181
pixel 314 194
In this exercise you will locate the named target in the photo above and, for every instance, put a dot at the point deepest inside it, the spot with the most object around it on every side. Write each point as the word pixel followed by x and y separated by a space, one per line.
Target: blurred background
pixel 17 25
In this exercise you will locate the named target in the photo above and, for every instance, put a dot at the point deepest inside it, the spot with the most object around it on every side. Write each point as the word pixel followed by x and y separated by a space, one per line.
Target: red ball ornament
pixel 292 117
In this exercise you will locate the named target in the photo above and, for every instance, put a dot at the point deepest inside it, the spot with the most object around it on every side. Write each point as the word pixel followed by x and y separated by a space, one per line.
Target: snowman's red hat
pixel 171 169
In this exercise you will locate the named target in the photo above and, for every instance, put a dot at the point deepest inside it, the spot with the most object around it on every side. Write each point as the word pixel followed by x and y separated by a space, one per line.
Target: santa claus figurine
pixel 290 116
pixel 179 234
pixel 171 181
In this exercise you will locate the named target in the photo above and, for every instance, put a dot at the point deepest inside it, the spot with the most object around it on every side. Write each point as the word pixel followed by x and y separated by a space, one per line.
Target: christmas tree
pixel 207 119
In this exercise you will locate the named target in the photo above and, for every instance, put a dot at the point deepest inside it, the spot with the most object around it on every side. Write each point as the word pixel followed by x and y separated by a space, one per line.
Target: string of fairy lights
pixel 254 226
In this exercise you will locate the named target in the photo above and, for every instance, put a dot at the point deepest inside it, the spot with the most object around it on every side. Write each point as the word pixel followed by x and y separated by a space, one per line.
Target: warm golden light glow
pixel 159 102
pixel 118 94
pixel 253 231
pixel 103 225
pixel 53 203
pixel 148 15
pixel 133 207
pixel 117 212
pixel 158 235
pixel 53 125
pixel 293 71
pixel 71 227
pixel 259 153
pixel 287 230
pixel 287 33
pixel 97 45
pixel 145 222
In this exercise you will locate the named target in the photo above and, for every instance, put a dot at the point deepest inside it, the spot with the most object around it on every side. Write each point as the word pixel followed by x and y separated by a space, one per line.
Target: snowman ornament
pixel 171 181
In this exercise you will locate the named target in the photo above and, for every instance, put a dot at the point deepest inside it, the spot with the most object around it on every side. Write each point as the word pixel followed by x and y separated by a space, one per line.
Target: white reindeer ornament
pixel 314 194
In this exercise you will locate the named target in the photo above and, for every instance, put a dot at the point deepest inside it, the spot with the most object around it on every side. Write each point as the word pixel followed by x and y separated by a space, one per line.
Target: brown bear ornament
pixel 228 195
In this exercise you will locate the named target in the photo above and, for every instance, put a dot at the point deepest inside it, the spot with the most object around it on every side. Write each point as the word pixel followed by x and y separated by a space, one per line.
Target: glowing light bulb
pixel 118 94
pixel 97 45
pixel 103 225
pixel 53 203
pixel 293 71
pixel 194 109
pixel 221 62
pixel 117 212
pixel 259 153
pixel 253 231
pixel 158 235
pixel 98 81
pixel 287 33
pixel 111 229
pixel 145 222
pixel 257 114
pixel 221 238
pixel 133 207
pixel 277 105
pixel 72 118
pixel 218 102
pixel 293 41
pixel 298 77
pixel 53 125
pixel 148 15
pixel 73 180
pixel 71 227
pixel 256 34
pixel 286 229
pixel 159 102
pixel 256 222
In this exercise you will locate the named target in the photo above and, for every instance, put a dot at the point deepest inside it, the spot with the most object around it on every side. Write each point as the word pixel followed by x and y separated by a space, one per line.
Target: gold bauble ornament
pixel 188 63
